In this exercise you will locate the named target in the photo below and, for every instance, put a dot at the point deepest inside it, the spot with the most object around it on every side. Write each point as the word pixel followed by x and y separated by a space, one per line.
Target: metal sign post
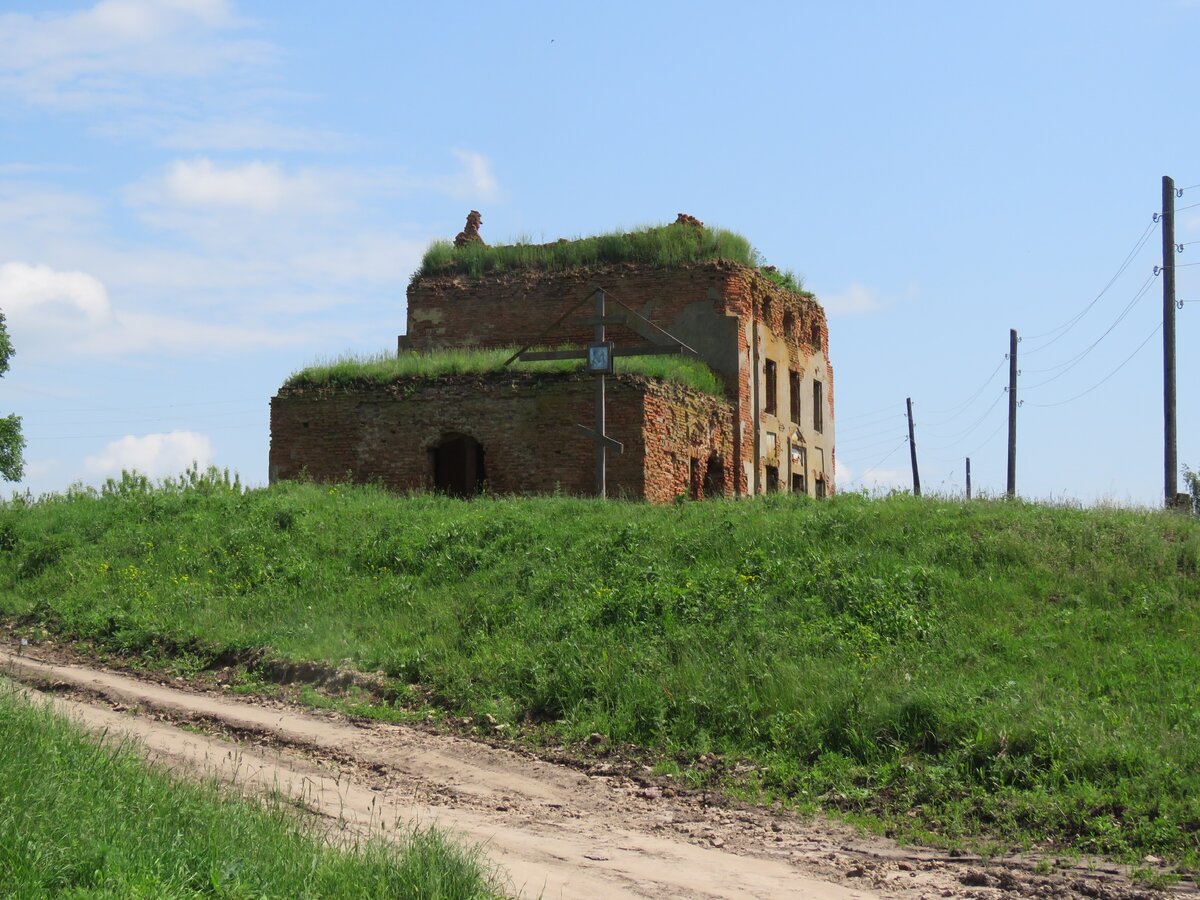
pixel 598 357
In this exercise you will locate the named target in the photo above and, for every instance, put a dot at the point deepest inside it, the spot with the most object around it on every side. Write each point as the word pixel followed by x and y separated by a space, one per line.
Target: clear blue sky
pixel 199 197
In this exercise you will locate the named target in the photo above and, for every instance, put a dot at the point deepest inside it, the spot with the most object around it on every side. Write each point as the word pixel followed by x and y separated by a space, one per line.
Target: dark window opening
pixel 820 485
pixel 772 393
pixel 794 395
pixel 772 479
pixel 457 463
pixel 818 423
pixel 798 486
pixel 714 477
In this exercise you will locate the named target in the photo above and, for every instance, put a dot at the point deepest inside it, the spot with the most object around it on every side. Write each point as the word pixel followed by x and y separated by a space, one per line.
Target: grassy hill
pixel 1019 672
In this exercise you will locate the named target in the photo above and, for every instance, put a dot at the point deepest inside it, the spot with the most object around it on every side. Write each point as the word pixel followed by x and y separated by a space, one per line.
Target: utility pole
pixel 968 478
pixel 912 451
pixel 1012 412
pixel 1170 460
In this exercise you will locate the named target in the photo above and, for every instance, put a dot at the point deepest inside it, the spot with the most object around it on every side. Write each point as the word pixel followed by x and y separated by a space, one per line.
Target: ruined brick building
pixel 517 431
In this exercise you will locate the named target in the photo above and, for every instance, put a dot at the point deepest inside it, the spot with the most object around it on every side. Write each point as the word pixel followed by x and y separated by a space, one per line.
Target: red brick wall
pixel 681 426
pixel 513 309
pixel 526 424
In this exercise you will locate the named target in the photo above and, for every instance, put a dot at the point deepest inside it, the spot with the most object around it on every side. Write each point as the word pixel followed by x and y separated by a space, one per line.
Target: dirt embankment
pixel 556 831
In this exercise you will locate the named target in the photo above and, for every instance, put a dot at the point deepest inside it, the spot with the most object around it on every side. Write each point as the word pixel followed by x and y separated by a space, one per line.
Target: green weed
pixel 385 368
pixel 81 819
pixel 1006 669
pixel 660 245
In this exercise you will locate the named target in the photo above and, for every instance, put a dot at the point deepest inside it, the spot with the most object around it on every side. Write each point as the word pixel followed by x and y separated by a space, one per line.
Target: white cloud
pixel 89 57
pixel 856 300
pixel 476 180
pixel 51 312
pixel 266 187
pixel 256 186
pixel 152 454
pixel 40 297
pixel 245 134
pixel 38 468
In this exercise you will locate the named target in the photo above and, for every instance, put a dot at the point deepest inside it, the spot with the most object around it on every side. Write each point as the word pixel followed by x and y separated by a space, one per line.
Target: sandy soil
pixel 555 830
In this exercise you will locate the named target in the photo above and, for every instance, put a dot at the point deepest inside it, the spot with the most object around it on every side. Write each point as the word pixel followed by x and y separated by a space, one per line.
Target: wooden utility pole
pixel 1170 459
pixel 912 450
pixel 968 478
pixel 1012 413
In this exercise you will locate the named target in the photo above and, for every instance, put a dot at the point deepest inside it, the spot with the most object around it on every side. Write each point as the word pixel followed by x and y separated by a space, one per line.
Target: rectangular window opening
pixel 771 388
pixel 818 405
pixel 772 479
pixel 794 395
pixel 798 483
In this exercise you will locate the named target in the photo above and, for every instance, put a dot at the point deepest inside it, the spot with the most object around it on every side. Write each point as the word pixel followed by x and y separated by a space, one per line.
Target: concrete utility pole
pixel 1012 413
pixel 1170 458
pixel 912 450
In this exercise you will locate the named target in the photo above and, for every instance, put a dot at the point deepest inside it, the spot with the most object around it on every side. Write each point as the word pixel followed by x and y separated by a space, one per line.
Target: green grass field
pixel 990 671
pixel 78 819
pixel 384 368
pixel 657 245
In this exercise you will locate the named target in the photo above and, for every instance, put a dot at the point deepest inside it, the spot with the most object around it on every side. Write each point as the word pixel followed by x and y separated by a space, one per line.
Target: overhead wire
pixel 882 461
pixel 956 410
pixel 962 435
pixel 862 448
pixel 1066 327
pixel 1079 357
pixel 1157 328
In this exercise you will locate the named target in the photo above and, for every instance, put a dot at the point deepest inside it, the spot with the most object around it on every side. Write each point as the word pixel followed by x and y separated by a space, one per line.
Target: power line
pixel 1078 358
pixel 862 448
pixel 1156 330
pixel 865 414
pixel 842 429
pixel 882 461
pixel 1070 323
pixel 987 440
pixel 962 435
pixel 966 402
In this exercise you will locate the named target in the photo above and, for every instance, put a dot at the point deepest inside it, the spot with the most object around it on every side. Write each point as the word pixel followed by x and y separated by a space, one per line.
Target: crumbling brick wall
pixel 526 424
pixel 715 306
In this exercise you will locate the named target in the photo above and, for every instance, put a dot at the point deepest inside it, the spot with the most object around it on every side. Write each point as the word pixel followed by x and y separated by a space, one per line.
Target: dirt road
pixel 556 831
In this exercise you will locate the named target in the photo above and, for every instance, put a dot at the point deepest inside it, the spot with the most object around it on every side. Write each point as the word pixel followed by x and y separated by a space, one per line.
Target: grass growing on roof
pixel 386 367
pixel 998 668
pixel 659 245
pixel 81 819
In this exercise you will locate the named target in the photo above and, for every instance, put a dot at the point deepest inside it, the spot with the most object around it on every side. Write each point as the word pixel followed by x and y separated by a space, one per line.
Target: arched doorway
pixel 457 464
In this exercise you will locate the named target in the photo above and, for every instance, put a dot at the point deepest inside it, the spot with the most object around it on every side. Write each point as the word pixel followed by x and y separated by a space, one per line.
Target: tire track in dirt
pixel 555 831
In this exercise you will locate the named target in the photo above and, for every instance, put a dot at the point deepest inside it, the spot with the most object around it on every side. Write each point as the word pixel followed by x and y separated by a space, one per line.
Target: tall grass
pixel 997 668
pixel 386 367
pixel 80 819
pixel 662 245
